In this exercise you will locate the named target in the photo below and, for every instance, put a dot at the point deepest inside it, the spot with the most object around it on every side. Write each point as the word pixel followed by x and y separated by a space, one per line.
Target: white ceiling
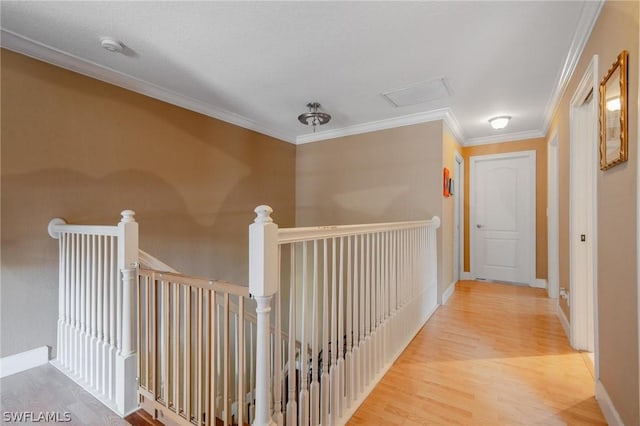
pixel 257 64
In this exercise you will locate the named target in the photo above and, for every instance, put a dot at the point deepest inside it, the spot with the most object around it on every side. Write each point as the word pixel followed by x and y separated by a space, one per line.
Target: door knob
pixel 478 226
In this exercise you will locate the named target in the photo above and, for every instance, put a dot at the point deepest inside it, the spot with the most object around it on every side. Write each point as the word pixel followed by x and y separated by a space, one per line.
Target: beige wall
pixel 540 146
pixel 449 148
pixel 84 150
pixel 616 29
pixel 388 175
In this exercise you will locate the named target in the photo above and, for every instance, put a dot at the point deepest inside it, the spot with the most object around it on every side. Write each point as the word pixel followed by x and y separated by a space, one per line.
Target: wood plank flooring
pixel 496 354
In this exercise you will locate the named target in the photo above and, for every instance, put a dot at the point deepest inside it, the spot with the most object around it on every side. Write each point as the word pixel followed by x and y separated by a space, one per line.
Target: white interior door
pixel 503 190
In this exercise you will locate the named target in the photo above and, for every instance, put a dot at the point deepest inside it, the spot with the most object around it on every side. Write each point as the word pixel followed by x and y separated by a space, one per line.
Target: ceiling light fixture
pixel 499 122
pixel 111 45
pixel 314 117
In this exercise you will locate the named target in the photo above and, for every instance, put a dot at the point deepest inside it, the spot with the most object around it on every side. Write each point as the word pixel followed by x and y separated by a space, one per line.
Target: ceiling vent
pixel 419 93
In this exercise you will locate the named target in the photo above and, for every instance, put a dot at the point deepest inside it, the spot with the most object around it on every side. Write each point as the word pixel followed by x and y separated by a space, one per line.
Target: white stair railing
pixel 371 287
pixel 350 297
pixel 194 364
pixel 96 321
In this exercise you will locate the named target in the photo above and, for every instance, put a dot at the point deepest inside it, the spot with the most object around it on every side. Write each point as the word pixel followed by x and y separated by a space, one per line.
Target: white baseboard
pixel 448 293
pixel 606 405
pixel 466 276
pixel 24 361
pixel 564 321
pixel 539 283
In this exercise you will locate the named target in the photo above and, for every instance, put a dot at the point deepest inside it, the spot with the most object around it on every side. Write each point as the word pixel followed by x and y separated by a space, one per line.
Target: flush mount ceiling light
pixel 314 117
pixel 111 45
pixel 499 122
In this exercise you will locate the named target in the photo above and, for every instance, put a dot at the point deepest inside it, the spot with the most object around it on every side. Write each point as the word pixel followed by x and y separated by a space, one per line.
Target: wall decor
pixel 445 183
pixel 613 114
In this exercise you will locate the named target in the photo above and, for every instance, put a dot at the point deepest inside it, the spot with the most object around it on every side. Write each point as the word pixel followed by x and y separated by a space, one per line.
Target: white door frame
pixel 584 291
pixel 458 197
pixel 553 248
pixel 472 209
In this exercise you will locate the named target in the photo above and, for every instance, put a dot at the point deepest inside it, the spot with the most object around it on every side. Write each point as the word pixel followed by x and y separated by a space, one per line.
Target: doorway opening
pixel 583 152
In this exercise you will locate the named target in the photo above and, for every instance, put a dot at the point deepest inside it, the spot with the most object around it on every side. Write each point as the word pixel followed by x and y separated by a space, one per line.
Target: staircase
pixel 349 298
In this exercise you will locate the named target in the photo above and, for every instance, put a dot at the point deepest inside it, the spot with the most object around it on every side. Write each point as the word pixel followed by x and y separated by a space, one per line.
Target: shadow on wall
pixel 167 229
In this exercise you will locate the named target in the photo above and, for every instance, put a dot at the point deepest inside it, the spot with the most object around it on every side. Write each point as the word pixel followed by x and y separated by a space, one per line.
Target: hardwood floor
pixel 496 354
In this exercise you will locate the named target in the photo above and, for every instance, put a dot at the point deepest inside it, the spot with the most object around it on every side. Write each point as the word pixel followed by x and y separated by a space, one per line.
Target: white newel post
pixel 126 368
pixel 263 284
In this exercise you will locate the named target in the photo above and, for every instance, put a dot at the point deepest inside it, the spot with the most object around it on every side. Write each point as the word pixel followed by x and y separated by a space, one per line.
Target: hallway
pixel 494 355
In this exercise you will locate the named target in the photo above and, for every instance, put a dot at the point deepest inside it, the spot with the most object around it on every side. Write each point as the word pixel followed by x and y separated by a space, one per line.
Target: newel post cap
pixel 436 221
pixel 128 216
pixel 263 214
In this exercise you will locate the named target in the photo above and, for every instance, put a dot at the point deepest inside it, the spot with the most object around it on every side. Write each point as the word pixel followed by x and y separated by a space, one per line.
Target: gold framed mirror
pixel 613 114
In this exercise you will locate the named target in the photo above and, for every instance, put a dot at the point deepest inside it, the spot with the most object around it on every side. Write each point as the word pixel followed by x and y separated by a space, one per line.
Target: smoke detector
pixel 111 45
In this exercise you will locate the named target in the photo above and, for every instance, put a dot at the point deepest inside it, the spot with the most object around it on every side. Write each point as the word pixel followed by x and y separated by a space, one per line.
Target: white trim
pixel 507 137
pixel 531 154
pixel 564 321
pixel 606 405
pixel 23 361
pixel 110 404
pixel 579 288
pixel 539 283
pixel 553 242
pixel 588 18
pixel 466 276
pixel 448 293
pixel 443 114
pixel 459 205
pixel 347 414
pixel 18 43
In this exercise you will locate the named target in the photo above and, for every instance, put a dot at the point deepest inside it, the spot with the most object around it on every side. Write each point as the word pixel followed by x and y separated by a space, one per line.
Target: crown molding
pixel 389 123
pixel 507 137
pixel 23 45
pixel 454 127
pixel 588 18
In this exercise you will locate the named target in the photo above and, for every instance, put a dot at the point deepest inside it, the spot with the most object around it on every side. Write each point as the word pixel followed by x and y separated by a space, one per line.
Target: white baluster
pixel 361 322
pixel 303 400
pixel 374 304
pixel 349 356
pixel 334 335
pixel 63 300
pixel 263 284
pixel 340 386
pixel 314 388
pixel 93 309
pixel 113 276
pixel 252 376
pixel 82 307
pixel 292 408
pixel 368 351
pixel 326 392
pixel 277 373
